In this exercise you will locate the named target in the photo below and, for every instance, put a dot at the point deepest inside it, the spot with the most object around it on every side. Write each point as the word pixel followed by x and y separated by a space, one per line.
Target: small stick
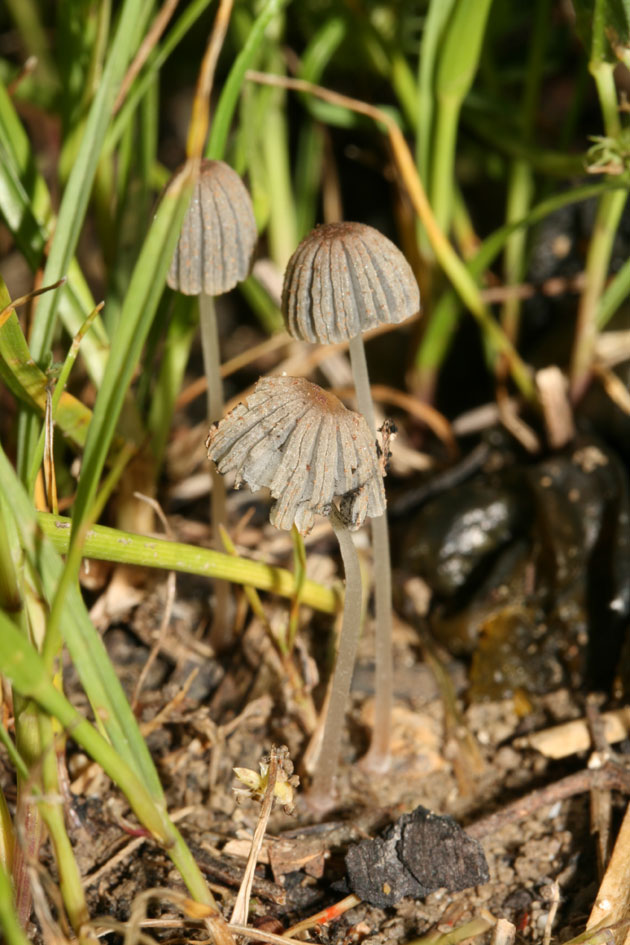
pixel 610 776
pixel 554 895
pixel 241 906
pixel 601 800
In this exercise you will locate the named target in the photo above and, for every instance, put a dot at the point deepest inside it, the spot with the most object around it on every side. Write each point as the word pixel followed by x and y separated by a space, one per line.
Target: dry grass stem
pixel 148 43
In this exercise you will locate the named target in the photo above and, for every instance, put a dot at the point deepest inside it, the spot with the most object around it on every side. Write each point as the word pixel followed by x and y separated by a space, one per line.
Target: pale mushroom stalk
pixel 213 254
pixel 214 396
pixel 209 331
pixel 377 757
pixel 321 791
pixel 342 280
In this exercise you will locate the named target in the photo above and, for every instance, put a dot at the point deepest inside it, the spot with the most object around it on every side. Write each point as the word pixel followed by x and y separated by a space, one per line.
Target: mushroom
pixel 214 253
pixel 342 280
pixel 309 450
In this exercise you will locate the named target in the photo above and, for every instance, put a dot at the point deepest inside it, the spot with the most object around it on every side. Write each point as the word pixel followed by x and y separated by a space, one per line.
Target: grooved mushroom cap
pixel 343 279
pixel 216 244
pixel 306 447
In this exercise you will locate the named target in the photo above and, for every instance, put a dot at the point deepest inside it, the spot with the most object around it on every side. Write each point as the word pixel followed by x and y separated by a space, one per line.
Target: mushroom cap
pixel 215 247
pixel 306 447
pixel 343 279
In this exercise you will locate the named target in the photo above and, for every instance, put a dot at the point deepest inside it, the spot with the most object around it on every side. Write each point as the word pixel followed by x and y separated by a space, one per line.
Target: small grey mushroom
pixel 214 252
pixel 309 450
pixel 342 280
pixel 216 244
pixel 306 447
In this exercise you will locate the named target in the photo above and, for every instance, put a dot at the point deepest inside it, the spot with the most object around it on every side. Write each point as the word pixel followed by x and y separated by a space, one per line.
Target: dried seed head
pixel 306 447
pixel 215 248
pixel 343 279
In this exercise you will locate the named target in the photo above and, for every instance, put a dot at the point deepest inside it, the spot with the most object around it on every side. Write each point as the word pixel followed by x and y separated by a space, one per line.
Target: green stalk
pixel 456 69
pixel 25 14
pixel 60 387
pixel 182 328
pixel 507 142
pixel 437 337
pixel 74 205
pixel 519 195
pixel 51 809
pixel 615 294
pixel 435 344
pixel 282 226
pixel 7 833
pixel 521 178
pixel 28 815
pixel 229 96
pixel 110 544
pixel 77 192
pixel 189 16
pixel 265 309
pixel 53 639
pixel 609 213
pixel 437 16
pixel 139 306
pixel 9 920
pixel 443 161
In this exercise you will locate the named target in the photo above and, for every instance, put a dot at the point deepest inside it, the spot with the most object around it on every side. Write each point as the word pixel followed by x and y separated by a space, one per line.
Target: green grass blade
pixel 138 90
pixel 455 71
pixel 77 192
pixel 437 17
pixel 86 648
pixel 111 544
pixel 9 921
pixel 24 668
pixel 28 215
pixel 439 331
pixel 181 330
pixel 138 310
pixel 222 120
pixel 28 383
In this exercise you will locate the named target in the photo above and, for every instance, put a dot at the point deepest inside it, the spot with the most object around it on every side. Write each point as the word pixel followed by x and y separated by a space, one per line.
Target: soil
pixel 205 715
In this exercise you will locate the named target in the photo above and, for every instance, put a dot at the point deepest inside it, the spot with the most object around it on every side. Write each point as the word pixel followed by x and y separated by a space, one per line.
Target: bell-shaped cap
pixel 342 280
pixel 215 248
pixel 306 447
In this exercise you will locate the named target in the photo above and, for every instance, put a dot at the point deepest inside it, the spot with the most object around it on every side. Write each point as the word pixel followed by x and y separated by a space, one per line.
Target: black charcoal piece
pixel 439 853
pixel 377 874
pixel 421 852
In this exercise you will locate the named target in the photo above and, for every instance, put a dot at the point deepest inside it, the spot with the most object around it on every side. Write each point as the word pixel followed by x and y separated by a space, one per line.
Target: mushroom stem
pixel 377 757
pixel 215 404
pixel 320 795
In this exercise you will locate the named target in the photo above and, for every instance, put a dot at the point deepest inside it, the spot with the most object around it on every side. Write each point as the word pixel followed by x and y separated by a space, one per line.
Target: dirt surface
pixel 203 716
